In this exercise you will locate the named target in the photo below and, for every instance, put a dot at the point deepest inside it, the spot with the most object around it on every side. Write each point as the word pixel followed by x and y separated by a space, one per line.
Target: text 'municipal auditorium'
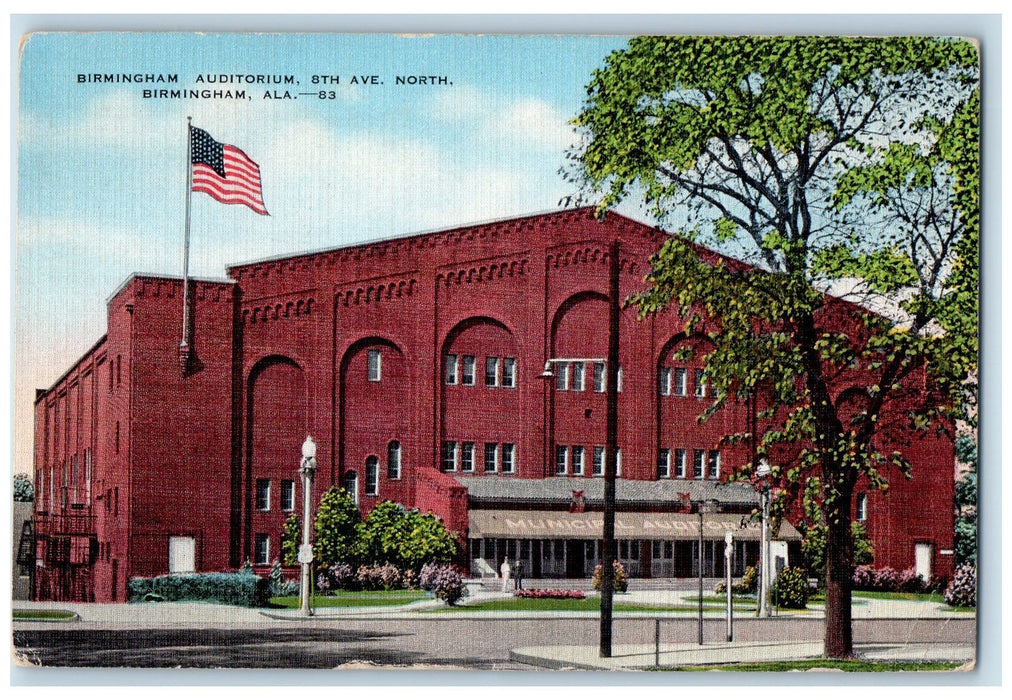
pixel 415 363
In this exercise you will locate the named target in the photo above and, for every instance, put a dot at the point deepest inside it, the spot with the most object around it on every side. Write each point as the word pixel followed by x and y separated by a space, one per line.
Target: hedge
pixel 228 588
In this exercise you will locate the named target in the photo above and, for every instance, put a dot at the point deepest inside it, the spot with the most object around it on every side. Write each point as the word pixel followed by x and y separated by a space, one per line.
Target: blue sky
pixel 102 171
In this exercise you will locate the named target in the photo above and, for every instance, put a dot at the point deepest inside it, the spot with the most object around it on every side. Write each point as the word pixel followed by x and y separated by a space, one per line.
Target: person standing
pixel 505 571
pixel 518 574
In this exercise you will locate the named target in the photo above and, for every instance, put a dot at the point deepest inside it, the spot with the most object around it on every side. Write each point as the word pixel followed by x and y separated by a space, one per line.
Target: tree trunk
pixel 839 565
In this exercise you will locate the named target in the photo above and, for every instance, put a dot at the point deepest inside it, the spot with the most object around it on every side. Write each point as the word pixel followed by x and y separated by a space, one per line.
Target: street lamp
pixel 728 560
pixel 548 373
pixel 710 505
pixel 763 472
pixel 307 469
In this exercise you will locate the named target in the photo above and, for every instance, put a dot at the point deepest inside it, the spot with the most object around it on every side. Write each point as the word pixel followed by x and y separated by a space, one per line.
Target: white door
pixel 922 560
pixel 182 555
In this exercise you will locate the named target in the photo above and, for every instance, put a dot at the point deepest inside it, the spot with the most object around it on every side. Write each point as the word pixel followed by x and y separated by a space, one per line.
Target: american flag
pixel 225 172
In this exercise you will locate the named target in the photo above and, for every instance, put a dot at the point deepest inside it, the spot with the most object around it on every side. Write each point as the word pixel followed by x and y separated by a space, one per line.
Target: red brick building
pixel 416 365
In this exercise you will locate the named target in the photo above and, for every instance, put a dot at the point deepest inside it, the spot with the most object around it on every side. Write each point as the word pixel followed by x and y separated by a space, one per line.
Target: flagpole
pixel 184 344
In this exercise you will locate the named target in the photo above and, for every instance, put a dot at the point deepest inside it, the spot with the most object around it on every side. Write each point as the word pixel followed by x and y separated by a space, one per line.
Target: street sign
pixel 306 554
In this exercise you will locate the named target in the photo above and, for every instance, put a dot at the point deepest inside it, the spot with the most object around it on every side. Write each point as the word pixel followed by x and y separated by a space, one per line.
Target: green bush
pixel 621 579
pixel 790 589
pixel 228 588
pixel 748 584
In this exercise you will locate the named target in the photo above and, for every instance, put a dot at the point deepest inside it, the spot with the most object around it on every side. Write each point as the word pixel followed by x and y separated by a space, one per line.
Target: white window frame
pixel 600 377
pixel 394 460
pixel 494 466
pixel 468 364
pixel 597 467
pixel 374 365
pixel 288 500
pixel 263 498
pixel 664 381
pixel 699 377
pixel 681 463
pixel 467 457
pixel 562 376
pixel 509 373
pixel 492 363
pixel 562 457
pixel 509 458
pixel 450 376
pixel 619 382
pixel 861 507
pixel 372 475
pixel 264 539
pixel 449 456
pixel 681 386
pixel 699 464
pixel 577 459
pixel 618 462
pixel 664 463
pixel 713 464
pixel 576 380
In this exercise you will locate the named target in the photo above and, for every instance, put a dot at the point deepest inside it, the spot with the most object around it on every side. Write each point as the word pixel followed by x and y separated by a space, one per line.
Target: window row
pixel 263 495
pixel 674 381
pixel 495 457
pixel 571 460
pixel 673 464
pixel 576 376
pixel 462 370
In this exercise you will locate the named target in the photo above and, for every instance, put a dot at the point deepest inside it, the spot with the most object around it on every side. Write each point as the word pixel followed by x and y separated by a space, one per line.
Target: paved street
pixel 409 639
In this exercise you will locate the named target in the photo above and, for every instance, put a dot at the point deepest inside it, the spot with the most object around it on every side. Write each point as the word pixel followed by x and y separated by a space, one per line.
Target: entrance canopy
pixel 546 524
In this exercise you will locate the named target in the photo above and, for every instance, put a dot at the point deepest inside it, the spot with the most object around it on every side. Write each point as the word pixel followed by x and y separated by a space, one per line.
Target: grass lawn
pixel 850 665
pixel 354 599
pixel 883 595
pixel 591 604
pixel 43 615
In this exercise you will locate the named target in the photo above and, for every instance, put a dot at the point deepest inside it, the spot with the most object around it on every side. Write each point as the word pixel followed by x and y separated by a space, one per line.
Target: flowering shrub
pixel 341 576
pixel 863 578
pixel 378 577
pixel 621 579
pixel 447 583
pixel 790 589
pixel 554 593
pixel 962 592
pixel 886 579
pixel 287 589
pixel 409 577
pixel 910 581
pixel 427 576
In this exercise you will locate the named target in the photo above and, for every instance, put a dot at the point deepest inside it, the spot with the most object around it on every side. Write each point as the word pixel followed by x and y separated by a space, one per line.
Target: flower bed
pixel 555 593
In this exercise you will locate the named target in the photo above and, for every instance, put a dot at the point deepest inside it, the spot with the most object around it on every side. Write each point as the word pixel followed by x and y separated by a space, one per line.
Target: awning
pixel 545 524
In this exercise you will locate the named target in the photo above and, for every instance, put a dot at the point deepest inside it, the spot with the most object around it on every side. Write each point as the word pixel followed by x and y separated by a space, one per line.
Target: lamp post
pixel 710 505
pixel 763 472
pixel 728 559
pixel 307 469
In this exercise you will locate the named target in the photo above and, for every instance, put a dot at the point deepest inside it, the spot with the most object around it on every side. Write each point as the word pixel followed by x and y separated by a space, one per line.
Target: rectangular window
pixel 577 460
pixel 509 372
pixel 449 456
pixel 262 553
pixel 375 363
pixel 450 370
pixel 509 457
pixel 598 466
pixel 562 376
pixel 681 387
pixel 680 464
pixel 618 384
pixel 663 463
pixel 714 460
pixel 467 370
pixel 287 495
pixel 698 458
pixel 372 469
pixel 491 371
pixel 263 494
pixel 491 457
pixel 862 507
pixel 664 381
pixel 600 377
pixel 700 384
pixel 561 459
pixel 618 462
pixel 467 457
pixel 394 460
pixel 577 379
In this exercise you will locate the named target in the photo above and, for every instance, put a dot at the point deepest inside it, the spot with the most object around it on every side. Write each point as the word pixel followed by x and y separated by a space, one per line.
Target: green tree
pixel 24 489
pixel 407 538
pixel 813 548
pixel 337 529
pixel 798 156
pixel 291 538
pixel 965 502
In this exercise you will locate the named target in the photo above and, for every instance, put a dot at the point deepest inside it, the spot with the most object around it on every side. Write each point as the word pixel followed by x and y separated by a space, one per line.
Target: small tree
pixel 24 489
pixel 965 503
pixel 813 548
pixel 290 538
pixel 338 524
pixel 406 538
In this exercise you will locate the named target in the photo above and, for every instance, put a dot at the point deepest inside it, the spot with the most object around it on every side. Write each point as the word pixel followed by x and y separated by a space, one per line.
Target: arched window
pixel 372 465
pixel 351 485
pixel 394 460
